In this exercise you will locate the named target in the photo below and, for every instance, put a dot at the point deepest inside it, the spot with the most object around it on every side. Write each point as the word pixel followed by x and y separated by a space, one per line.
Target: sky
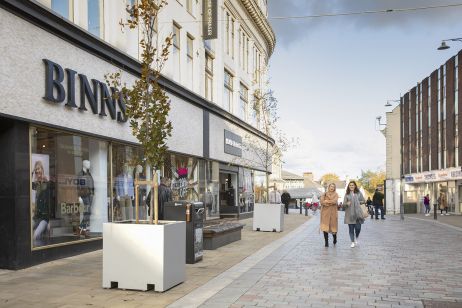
pixel 332 76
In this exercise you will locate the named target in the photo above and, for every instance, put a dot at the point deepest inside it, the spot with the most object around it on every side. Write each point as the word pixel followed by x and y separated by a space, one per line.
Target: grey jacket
pixel 349 208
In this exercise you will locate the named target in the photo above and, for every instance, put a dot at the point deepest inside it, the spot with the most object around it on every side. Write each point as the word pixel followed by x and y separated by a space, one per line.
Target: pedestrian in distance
pixel 377 200
pixel 369 207
pixel 353 212
pixel 329 214
pixel 285 198
pixel 427 205
pixel 443 203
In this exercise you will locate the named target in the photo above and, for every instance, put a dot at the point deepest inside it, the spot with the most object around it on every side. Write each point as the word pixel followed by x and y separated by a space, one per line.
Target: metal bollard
pixel 306 211
pixel 301 204
pixel 435 214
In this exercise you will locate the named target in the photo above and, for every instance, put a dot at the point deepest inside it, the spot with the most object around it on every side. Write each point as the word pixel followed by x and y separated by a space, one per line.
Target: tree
pixel 329 177
pixel 147 104
pixel 370 180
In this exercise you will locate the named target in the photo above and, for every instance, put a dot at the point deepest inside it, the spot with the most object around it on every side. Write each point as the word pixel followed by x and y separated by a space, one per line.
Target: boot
pixel 326 239
pixel 335 238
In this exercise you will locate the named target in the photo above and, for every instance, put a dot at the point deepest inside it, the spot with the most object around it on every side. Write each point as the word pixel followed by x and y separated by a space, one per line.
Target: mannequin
pixel 86 191
pixel 142 193
pixel 125 192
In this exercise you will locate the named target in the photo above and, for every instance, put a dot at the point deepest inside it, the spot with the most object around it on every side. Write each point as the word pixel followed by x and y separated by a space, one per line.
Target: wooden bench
pixel 221 234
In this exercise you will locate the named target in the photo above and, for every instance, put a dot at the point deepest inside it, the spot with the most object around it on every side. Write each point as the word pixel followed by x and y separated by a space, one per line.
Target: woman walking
pixel 329 214
pixel 427 205
pixel 353 213
pixel 443 203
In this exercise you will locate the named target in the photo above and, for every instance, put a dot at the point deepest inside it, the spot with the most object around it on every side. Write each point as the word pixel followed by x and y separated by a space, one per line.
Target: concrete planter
pixel 144 256
pixel 268 217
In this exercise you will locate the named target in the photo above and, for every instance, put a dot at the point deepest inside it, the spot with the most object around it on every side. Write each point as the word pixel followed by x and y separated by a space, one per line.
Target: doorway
pixel 228 195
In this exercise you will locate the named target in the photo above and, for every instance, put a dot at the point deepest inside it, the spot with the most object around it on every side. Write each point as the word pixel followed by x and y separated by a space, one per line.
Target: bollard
pixel 301 204
pixel 306 211
pixel 435 214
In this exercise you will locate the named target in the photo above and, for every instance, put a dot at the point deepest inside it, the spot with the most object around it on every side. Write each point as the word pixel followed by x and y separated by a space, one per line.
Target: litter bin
pixel 178 210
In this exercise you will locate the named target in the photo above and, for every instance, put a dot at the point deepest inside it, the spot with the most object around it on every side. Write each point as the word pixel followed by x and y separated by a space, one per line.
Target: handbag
pixel 364 210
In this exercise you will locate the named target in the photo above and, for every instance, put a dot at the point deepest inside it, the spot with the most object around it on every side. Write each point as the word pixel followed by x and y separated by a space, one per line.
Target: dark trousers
pixel 354 228
pixel 87 202
pixel 445 209
pixel 286 208
pixel 382 212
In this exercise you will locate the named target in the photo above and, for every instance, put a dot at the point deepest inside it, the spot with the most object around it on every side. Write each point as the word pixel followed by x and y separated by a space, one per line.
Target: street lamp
pixel 389 101
pixel 444 46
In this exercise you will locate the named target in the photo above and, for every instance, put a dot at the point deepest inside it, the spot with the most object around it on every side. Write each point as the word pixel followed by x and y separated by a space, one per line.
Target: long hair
pixel 356 190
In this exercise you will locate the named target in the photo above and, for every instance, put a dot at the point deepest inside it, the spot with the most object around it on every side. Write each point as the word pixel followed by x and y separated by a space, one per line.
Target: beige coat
pixel 329 213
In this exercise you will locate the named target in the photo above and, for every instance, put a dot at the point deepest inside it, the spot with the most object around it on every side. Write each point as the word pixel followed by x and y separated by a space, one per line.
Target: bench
pixel 221 234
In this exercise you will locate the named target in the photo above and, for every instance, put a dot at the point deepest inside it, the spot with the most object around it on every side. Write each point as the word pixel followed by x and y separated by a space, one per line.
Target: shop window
pixel 185 177
pixel 69 187
pixel 127 166
pixel 260 187
pixel 212 190
pixel 246 190
pixel 208 77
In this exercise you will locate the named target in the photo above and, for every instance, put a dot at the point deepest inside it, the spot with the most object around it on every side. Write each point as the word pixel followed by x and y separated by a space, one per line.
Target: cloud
pixel 288 31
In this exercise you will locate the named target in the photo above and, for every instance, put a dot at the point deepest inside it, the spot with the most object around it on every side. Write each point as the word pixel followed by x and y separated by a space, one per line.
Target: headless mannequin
pixel 86 190
pixel 142 194
pixel 125 193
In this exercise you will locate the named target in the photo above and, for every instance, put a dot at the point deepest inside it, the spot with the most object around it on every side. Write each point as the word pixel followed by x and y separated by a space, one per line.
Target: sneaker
pixel 356 243
pixel 427 214
pixel 352 245
pixel 447 214
pixel 383 218
pixel 442 214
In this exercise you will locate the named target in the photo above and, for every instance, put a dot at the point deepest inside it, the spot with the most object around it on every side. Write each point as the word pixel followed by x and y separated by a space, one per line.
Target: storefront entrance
pixel 228 196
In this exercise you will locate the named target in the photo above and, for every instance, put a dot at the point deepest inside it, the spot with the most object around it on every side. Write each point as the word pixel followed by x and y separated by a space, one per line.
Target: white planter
pixel 144 256
pixel 268 217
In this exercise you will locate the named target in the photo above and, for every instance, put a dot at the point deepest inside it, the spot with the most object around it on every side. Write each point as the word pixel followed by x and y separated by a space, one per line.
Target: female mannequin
pixel 86 191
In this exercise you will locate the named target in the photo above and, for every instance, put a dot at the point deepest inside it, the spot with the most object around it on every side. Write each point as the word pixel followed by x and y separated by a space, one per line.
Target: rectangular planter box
pixel 268 217
pixel 144 256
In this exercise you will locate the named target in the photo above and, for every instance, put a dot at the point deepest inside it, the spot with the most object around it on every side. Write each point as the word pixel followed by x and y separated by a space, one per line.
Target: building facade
pixel 70 158
pixel 393 160
pixel 430 127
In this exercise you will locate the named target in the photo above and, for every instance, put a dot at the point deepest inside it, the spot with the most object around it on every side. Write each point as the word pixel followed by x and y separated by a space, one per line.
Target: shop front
pixel 444 184
pixel 69 157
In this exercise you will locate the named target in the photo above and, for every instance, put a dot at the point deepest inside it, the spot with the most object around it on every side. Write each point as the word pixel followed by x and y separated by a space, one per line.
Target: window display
pixel 246 192
pixel 212 189
pixel 260 187
pixel 68 187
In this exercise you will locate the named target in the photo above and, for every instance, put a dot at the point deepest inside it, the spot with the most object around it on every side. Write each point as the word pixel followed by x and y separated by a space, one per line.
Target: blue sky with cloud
pixel 332 76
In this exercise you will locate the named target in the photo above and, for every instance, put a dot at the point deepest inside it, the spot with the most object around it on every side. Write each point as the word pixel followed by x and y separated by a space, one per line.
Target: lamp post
pixel 444 46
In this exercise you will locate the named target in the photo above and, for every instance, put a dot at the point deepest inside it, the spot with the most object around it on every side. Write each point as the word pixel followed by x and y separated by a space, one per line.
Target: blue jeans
pixel 354 228
pixel 382 212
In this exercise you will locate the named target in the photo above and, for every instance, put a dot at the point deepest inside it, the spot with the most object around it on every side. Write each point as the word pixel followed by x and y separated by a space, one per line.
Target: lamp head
pixel 388 104
pixel 443 46
pixel 379 118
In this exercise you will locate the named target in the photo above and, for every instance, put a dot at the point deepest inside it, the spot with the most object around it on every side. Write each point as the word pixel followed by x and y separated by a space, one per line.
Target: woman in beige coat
pixel 329 214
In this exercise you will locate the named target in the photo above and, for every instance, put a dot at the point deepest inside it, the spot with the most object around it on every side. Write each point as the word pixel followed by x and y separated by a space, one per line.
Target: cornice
pixel 262 23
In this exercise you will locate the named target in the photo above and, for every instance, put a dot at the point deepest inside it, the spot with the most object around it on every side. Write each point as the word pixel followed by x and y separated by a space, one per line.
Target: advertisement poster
pixel 40 171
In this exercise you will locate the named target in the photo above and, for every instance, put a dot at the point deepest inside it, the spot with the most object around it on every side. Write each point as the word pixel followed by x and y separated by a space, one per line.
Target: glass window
pixel 94 17
pixel 260 187
pixel 62 7
pixel 243 102
pixel 176 53
pixel 189 47
pixel 189 62
pixel 127 166
pixel 212 190
pixel 228 91
pixel 208 77
pixel 176 35
pixel 246 190
pixel 184 175
pixel 69 187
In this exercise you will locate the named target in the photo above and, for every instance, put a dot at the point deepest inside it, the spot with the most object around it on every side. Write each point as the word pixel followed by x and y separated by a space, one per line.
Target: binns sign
pixel 98 98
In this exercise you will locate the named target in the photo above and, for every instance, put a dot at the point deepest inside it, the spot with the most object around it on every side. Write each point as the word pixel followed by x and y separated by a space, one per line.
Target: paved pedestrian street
pixel 412 264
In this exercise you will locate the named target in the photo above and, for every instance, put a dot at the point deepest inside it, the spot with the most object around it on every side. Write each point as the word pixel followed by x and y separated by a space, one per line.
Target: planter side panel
pixel 268 217
pixel 138 255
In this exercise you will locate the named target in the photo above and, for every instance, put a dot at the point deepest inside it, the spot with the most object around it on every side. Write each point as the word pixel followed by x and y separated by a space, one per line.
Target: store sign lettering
pixel 181 186
pixel 409 178
pixel 71 208
pixel 456 174
pixel 430 176
pixel 233 144
pixel 97 97
pixel 210 19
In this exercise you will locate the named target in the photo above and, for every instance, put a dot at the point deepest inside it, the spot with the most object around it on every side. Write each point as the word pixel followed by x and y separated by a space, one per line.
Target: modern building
pixel 68 153
pixel 393 159
pixel 431 129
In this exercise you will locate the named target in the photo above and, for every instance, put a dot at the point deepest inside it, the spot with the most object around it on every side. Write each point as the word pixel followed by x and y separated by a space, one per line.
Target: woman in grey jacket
pixel 353 213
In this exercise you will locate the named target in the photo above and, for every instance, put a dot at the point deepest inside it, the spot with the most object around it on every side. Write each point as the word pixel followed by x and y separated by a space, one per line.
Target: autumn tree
pixel 329 178
pixel 370 180
pixel 147 104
